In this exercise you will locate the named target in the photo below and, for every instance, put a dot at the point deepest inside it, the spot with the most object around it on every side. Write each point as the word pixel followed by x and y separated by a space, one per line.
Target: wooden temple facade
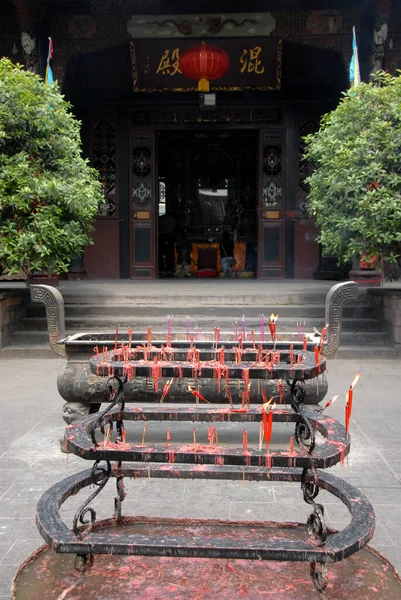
pixel 176 172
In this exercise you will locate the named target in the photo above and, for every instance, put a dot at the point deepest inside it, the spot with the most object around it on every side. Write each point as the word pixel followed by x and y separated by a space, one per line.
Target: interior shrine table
pixel 206 255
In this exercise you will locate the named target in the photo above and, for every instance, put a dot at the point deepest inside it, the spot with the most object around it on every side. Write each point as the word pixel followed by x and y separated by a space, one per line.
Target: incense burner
pixel 103 437
pixel 84 390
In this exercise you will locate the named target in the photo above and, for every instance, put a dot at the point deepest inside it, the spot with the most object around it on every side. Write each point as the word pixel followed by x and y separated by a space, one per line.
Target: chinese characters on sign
pixel 254 63
pixel 251 61
pixel 169 64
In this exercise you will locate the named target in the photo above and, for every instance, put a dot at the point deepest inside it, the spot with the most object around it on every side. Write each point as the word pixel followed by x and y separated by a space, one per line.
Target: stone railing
pixel 12 310
pixel 337 295
pixel 388 301
pixel 54 303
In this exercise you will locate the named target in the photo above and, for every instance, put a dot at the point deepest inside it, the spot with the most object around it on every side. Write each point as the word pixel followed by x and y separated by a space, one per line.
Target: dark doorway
pixel 207 186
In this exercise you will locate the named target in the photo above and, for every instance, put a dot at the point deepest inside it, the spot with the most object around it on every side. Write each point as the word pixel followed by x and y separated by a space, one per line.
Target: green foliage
pixel 48 193
pixel 355 188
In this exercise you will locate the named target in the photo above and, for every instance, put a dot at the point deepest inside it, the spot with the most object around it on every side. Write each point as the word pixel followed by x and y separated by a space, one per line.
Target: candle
pixel 330 402
pixel 305 343
pixel 129 338
pixel 348 407
pixel 187 326
pixel 149 337
pixel 272 326
pixel 198 395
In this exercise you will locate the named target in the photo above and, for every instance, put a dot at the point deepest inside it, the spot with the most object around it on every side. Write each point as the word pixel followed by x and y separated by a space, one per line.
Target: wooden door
pixel 143 205
pixel 271 205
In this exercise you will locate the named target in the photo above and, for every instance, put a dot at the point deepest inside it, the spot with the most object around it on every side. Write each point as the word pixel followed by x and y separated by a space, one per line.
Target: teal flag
pixel 49 73
pixel 354 72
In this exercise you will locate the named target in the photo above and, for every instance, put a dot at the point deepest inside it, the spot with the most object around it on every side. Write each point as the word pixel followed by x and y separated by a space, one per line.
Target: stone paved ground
pixel 31 461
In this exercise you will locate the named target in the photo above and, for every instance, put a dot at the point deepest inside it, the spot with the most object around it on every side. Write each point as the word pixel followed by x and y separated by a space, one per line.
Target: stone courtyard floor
pixel 30 462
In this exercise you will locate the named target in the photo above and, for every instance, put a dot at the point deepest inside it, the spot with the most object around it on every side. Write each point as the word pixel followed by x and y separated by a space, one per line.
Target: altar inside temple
pixel 207 186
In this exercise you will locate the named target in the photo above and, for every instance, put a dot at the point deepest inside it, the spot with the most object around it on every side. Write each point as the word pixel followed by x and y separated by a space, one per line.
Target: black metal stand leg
pixel 319 574
pixel 99 476
pixel 316 524
pixel 121 494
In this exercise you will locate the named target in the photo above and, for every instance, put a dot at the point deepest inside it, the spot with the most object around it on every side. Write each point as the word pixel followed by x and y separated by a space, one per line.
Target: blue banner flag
pixel 354 72
pixel 49 73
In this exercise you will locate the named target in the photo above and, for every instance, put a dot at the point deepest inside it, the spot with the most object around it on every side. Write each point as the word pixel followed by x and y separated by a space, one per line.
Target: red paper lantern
pixel 204 62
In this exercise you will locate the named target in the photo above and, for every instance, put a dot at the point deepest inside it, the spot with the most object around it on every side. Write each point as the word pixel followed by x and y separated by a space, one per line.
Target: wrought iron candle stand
pixel 102 437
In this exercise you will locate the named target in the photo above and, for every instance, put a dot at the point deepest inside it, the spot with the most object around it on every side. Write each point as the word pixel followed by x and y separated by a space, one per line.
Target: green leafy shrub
pixel 355 188
pixel 49 194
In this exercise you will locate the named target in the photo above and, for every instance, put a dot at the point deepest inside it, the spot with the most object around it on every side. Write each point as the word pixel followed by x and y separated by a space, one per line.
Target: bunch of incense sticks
pixel 322 338
pixel 166 389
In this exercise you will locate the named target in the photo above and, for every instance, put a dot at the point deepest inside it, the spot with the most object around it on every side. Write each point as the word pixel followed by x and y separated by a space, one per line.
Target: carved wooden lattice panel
pixel 104 160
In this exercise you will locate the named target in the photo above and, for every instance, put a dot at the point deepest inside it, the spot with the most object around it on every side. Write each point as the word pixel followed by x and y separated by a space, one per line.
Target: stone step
pixel 377 338
pixel 298 311
pixel 367 352
pixel 198 297
pixel 91 323
pixel 25 351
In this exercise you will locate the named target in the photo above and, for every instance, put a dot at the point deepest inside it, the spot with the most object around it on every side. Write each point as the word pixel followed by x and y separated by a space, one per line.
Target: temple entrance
pixel 207 192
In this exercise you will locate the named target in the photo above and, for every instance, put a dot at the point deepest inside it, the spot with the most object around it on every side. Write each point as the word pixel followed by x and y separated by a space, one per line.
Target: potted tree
pixel 355 189
pixel 49 194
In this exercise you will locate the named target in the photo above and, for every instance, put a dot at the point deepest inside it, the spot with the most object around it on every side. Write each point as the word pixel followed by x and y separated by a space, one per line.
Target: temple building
pixel 181 166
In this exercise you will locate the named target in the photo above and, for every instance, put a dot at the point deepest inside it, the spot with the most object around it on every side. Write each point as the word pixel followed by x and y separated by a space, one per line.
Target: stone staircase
pixel 364 334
